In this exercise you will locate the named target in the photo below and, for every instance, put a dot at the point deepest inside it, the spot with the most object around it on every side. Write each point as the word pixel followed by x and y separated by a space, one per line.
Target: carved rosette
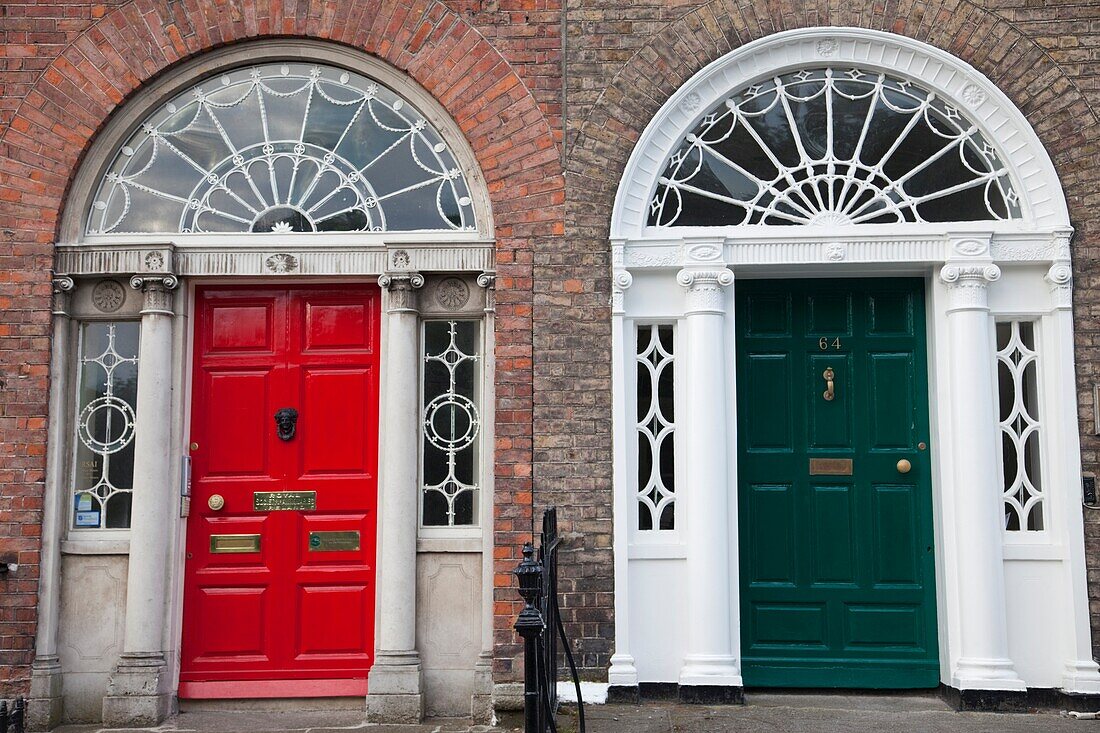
pixel 402 287
pixel 157 290
pixel 705 289
pixel 968 284
pixel 488 280
pixel 62 290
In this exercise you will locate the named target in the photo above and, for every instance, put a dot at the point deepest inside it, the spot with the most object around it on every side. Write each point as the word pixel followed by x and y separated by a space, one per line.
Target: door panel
pixel 837 577
pixel 282 594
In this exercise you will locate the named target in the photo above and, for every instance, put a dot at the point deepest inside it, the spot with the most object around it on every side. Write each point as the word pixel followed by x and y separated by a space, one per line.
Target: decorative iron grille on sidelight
pixel 832 146
pixel 656 429
pixel 1021 465
pixel 283 148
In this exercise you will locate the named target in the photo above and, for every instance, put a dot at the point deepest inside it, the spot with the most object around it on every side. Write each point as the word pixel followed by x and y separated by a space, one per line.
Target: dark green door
pixel 836 558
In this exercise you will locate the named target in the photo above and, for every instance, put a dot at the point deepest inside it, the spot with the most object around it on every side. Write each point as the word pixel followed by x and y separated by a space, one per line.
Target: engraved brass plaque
pixel 276 501
pixel 228 544
pixel 334 541
pixel 830 466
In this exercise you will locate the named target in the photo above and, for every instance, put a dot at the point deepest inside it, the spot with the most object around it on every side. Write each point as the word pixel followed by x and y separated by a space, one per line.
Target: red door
pixel 279 585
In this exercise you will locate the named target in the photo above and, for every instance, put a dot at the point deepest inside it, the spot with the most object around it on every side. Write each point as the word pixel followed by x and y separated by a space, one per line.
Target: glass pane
pixel 656 456
pixel 835 147
pixel 451 421
pixel 283 147
pixel 103 460
pixel 1020 425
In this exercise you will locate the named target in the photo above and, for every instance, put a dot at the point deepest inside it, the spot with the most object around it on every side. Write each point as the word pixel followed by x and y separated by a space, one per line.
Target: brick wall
pixel 66 66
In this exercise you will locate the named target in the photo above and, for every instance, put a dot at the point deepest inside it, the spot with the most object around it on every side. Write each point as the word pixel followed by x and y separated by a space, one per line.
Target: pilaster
pixel 395 680
pixel 139 692
pixel 984 662
pixel 44 706
pixel 481 702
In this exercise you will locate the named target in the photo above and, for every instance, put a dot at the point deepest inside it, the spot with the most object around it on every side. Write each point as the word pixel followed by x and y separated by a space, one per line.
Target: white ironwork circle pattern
pixel 833 146
pixel 1033 177
pixel 656 429
pixel 283 147
pixel 1020 426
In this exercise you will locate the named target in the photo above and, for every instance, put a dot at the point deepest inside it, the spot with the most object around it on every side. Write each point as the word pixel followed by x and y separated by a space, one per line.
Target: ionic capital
pixel 621 280
pixel 157 290
pixel 968 284
pixel 705 289
pixel 402 287
pixel 488 280
pixel 62 289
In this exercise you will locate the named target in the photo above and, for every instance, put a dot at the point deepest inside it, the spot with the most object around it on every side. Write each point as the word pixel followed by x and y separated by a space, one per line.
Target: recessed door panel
pixel 834 507
pixel 260 606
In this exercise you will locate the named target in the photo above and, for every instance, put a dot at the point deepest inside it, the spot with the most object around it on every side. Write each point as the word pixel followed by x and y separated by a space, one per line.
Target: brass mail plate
pixel 830 466
pixel 274 501
pixel 334 541
pixel 226 544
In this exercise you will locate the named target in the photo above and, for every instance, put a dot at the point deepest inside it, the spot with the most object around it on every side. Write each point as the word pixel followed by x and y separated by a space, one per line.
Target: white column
pixel 984 663
pixel 622 673
pixel 394 686
pixel 139 691
pixel 710 661
pixel 44 704
pixel 1080 673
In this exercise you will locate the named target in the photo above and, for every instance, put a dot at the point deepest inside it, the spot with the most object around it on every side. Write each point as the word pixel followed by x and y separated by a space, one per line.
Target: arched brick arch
pixel 621 98
pixel 57 119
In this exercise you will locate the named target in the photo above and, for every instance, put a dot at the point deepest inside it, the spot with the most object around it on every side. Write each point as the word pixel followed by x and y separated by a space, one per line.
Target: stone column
pixel 395 690
pixel 984 663
pixel 1080 673
pixel 44 703
pixel 139 692
pixel 622 677
pixel 710 671
pixel 481 703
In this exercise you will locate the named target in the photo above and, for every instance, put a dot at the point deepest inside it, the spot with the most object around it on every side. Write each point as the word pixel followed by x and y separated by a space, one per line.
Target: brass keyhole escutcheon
pixel 829 375
pixel 216 502
pixel 904 466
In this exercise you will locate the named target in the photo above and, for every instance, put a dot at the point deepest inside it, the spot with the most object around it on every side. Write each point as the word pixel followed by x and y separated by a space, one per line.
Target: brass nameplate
pixel 334 541
pixel 830 466
pixel 224 544
pixel 275 501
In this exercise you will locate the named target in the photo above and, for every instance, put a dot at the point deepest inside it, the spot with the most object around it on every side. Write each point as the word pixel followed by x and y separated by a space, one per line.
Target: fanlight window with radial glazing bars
pixel 283 148
pixel 833 147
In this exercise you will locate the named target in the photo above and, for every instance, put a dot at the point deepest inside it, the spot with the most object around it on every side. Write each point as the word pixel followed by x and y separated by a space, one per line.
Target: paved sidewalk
pixel 764 714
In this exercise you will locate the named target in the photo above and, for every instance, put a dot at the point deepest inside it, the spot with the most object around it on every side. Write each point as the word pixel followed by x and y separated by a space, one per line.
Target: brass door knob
pixel 216 502
pixel 904 466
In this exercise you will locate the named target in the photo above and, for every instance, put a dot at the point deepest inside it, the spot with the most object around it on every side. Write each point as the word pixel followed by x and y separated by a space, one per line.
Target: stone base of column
pixel 631 695
pixel 1081 676
pixel 395 689
pixel 481 703
pixel 622 672
pixel 710 670
pixel 138 693
pixel 711 694
pixel 974 673
pixel 44 705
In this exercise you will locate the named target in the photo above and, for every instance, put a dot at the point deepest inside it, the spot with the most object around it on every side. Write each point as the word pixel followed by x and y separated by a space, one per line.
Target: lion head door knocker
pixel 286 422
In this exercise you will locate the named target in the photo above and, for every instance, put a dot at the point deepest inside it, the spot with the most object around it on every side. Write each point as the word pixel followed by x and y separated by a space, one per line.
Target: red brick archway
pixel 506 110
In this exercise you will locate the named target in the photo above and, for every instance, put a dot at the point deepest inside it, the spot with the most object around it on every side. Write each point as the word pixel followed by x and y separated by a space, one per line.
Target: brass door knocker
pixel 286 423
pixel 829 375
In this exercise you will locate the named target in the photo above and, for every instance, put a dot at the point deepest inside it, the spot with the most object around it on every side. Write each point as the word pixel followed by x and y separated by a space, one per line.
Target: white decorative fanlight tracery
pixel 283 148
pixel 831 146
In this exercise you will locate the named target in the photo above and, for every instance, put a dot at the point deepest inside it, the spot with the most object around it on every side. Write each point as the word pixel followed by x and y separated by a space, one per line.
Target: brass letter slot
pixel 830 466
pixel 274 501
pixel 334 541
pixel 228 544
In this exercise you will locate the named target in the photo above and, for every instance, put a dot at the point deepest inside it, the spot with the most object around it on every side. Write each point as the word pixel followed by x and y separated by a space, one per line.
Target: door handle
pixel 829 375
pixel 904 466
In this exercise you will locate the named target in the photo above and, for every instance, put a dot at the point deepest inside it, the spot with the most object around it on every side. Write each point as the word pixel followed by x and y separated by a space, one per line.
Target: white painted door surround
pixel 1012 604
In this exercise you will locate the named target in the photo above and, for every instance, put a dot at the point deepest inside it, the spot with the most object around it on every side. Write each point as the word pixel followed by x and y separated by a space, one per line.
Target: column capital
pixel 488 280
pixel 62 289
pixel 402 287
pixel 158 292
pixel 1060 280
pixel 704 288
pixel 621 280
pixel 968 284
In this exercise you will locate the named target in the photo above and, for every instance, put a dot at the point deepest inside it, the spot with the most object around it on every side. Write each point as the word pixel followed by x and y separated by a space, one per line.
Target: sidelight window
pixel 106 408
pixel 656 429
pixel 833 146
pixel 1020 426
pixel 451 423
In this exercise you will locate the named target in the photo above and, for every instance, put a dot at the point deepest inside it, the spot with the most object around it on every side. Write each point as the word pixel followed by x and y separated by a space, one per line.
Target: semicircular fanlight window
pixel 283 148
pixel 833 147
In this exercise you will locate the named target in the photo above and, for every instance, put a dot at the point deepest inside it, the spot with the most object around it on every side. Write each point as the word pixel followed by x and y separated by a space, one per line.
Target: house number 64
pixel 823 343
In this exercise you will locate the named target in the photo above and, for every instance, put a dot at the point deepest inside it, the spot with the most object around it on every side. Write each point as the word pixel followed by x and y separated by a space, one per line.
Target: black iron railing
pixel 541 627
pixel 13 717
